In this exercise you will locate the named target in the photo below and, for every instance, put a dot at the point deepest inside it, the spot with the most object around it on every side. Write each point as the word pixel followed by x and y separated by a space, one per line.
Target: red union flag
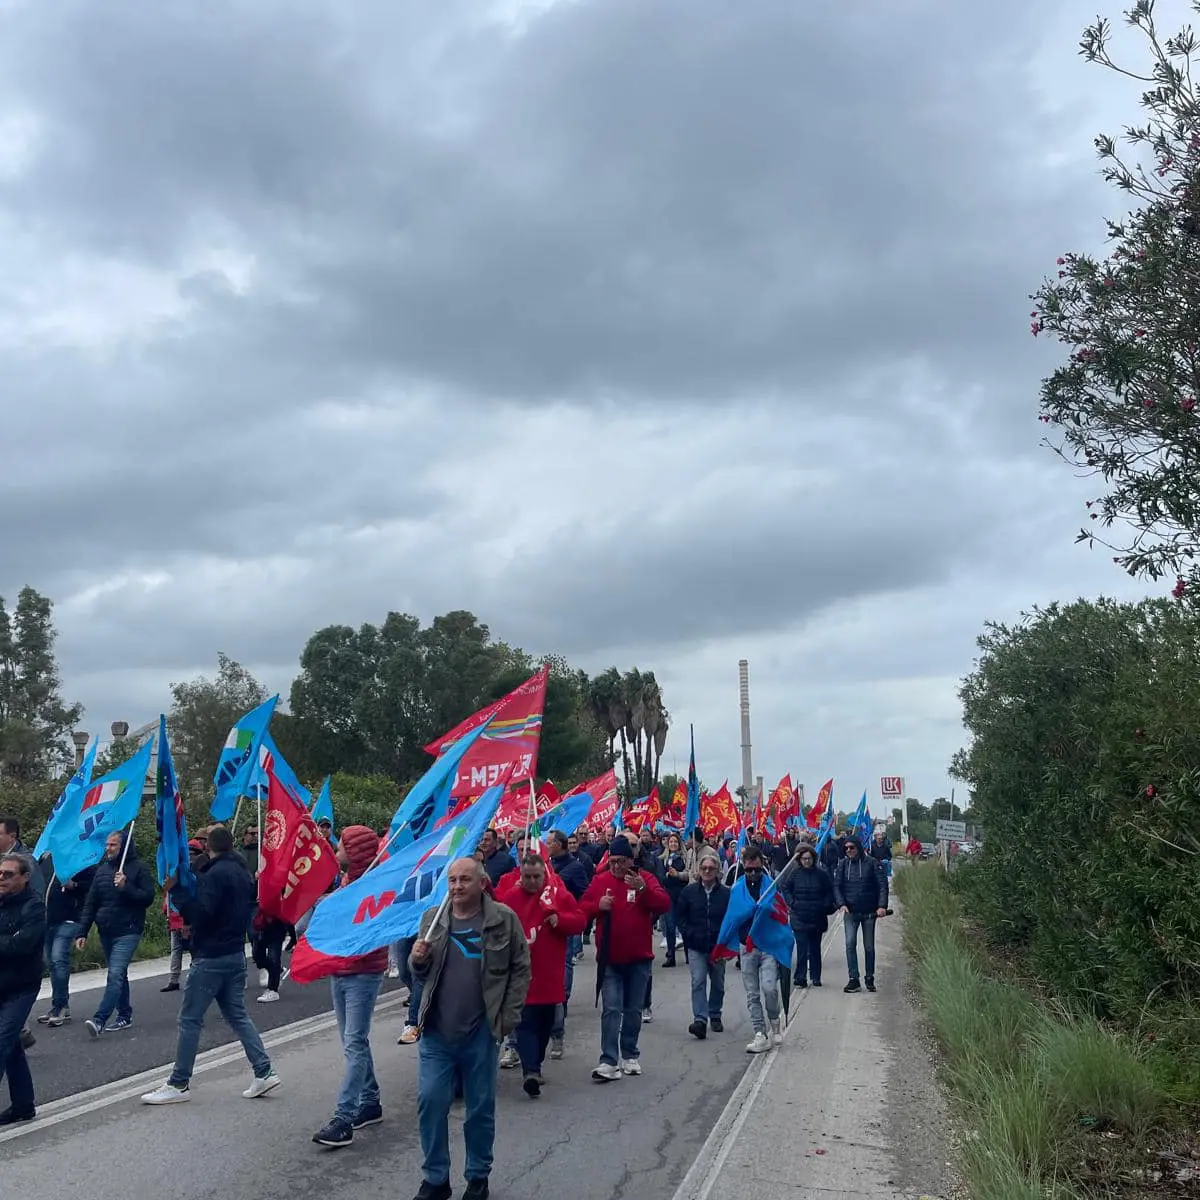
pixel 891 787
pixel 507 751
pixel 824 796
pixel 606 801
pixel 513 812
pixel 298 863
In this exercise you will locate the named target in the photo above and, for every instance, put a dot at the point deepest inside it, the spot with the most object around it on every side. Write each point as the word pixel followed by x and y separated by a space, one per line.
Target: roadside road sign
pixel 951 831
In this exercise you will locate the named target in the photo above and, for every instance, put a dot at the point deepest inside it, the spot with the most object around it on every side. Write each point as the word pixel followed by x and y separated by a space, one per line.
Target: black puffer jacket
pixel 861 886
pixel 698 915
pixel 219 912
pixel 22 942
pixel 64 901
pixel 118 911
pixel 808 892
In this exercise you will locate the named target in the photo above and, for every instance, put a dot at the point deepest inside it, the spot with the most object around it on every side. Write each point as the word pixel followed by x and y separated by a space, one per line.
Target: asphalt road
pixel 633 1138
pixel 68 1060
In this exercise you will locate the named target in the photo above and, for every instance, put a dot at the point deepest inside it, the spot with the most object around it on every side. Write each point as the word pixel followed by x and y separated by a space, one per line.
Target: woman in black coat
pixel 808 892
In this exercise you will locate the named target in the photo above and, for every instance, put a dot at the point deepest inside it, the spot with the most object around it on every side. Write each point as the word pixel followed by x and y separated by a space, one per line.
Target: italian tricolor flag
pixel 104 793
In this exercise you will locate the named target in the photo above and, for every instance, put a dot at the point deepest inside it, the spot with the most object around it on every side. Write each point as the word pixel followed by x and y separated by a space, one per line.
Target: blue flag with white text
pixel 387 902
pixel 105 806
pixel 70 796
pixel 237 766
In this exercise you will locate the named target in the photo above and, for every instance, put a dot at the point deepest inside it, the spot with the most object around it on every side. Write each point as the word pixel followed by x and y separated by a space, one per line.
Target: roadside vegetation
pixel 1055 1102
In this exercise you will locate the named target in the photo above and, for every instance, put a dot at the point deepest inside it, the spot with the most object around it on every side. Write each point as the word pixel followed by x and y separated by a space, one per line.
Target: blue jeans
pixel 118 953
pixel 14 1012
pixel 222 979
pixel 574 947
pixel 760 978
pixel 59 939
pixel 354 1003
pixel 623 993
pixel 852 923
pixel 671 930
pixel 476 1059
pixel 414 1000
pixel 708 986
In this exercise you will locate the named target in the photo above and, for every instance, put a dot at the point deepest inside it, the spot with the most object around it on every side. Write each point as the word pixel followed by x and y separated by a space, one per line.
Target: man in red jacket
pixel 549 916
pixel 625 902
pixel 355 986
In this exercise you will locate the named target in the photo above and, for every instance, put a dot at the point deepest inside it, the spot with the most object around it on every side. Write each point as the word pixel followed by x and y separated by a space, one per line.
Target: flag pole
pixel 532 814
pixel 125 849
pixel 236 813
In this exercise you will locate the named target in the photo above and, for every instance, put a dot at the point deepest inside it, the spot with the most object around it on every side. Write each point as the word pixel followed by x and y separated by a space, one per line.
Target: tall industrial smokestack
pixel 744 698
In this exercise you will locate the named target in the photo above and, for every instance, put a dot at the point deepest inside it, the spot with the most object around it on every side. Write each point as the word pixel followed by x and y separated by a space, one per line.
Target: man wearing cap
pixel 625 902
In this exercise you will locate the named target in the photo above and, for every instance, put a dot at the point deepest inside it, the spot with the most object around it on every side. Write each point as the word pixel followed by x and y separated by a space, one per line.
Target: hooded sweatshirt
pixel 360 845
pixel 547 944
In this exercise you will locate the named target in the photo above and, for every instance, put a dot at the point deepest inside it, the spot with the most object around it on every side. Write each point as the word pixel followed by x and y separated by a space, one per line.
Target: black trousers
pixel 267 947
pixel 533 1036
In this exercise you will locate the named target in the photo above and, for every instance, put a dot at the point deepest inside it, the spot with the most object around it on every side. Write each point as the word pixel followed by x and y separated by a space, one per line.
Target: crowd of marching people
pixel 491 973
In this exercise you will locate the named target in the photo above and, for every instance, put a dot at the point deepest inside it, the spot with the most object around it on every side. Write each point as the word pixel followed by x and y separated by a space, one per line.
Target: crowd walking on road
pixel 491 972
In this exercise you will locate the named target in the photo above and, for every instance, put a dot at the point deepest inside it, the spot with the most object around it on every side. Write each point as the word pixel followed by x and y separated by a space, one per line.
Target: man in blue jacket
pixel 860 890
pixel 218 914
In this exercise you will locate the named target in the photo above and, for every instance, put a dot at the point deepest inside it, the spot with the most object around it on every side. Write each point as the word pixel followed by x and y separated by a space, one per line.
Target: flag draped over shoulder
pixel 237 766
pixel 172 858
pixel 507 753
pixel 823 805
pixel 105 806
pixel 738 916
pixel 771 930
pixel 386 903
pixel 298 863
pixel 68 801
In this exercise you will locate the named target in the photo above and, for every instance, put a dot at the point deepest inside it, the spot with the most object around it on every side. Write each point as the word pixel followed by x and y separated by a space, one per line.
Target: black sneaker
pixel 798 981
pixel 698 1029
pixel 119 1025
pixel 532 1085
pixel 669 961
pixel 816 983
pixel 336 1133
pixel 10 1116
pixel 369 1114
pixel 172 986
pixel 718 1026
pixel 853 986
pixel 870 982
pixel 434 1191
pixel 476 1189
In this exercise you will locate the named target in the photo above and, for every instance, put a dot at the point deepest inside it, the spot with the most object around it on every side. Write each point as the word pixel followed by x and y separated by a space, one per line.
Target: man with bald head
pixel 473 960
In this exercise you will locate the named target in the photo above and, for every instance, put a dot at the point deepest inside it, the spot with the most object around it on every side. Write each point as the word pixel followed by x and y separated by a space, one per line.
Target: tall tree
pixel 202 713
pixel 1124 408
pixel 34 721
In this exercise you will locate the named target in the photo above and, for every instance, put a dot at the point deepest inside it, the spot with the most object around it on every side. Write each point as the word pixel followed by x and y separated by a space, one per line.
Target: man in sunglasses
pixel 22 943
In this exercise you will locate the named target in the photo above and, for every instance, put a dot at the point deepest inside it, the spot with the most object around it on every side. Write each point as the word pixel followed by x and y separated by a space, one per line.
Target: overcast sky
pixel 653 333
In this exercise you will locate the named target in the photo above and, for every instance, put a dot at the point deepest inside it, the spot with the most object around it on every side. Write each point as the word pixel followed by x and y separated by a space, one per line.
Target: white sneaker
pixel 605 1072
pixel 631 1066
pixel 260 1087
pixel 760 1044
pixel 509 1058
pixel 647 1015
pixel 167 1094
pixel 393 972
pixel 776 1033
pixel 268 997
pixel 263 977
pixel 408 1035
pixel 663 944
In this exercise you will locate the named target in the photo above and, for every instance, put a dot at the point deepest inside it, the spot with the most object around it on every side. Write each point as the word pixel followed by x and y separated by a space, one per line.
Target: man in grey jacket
pixel 473 959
